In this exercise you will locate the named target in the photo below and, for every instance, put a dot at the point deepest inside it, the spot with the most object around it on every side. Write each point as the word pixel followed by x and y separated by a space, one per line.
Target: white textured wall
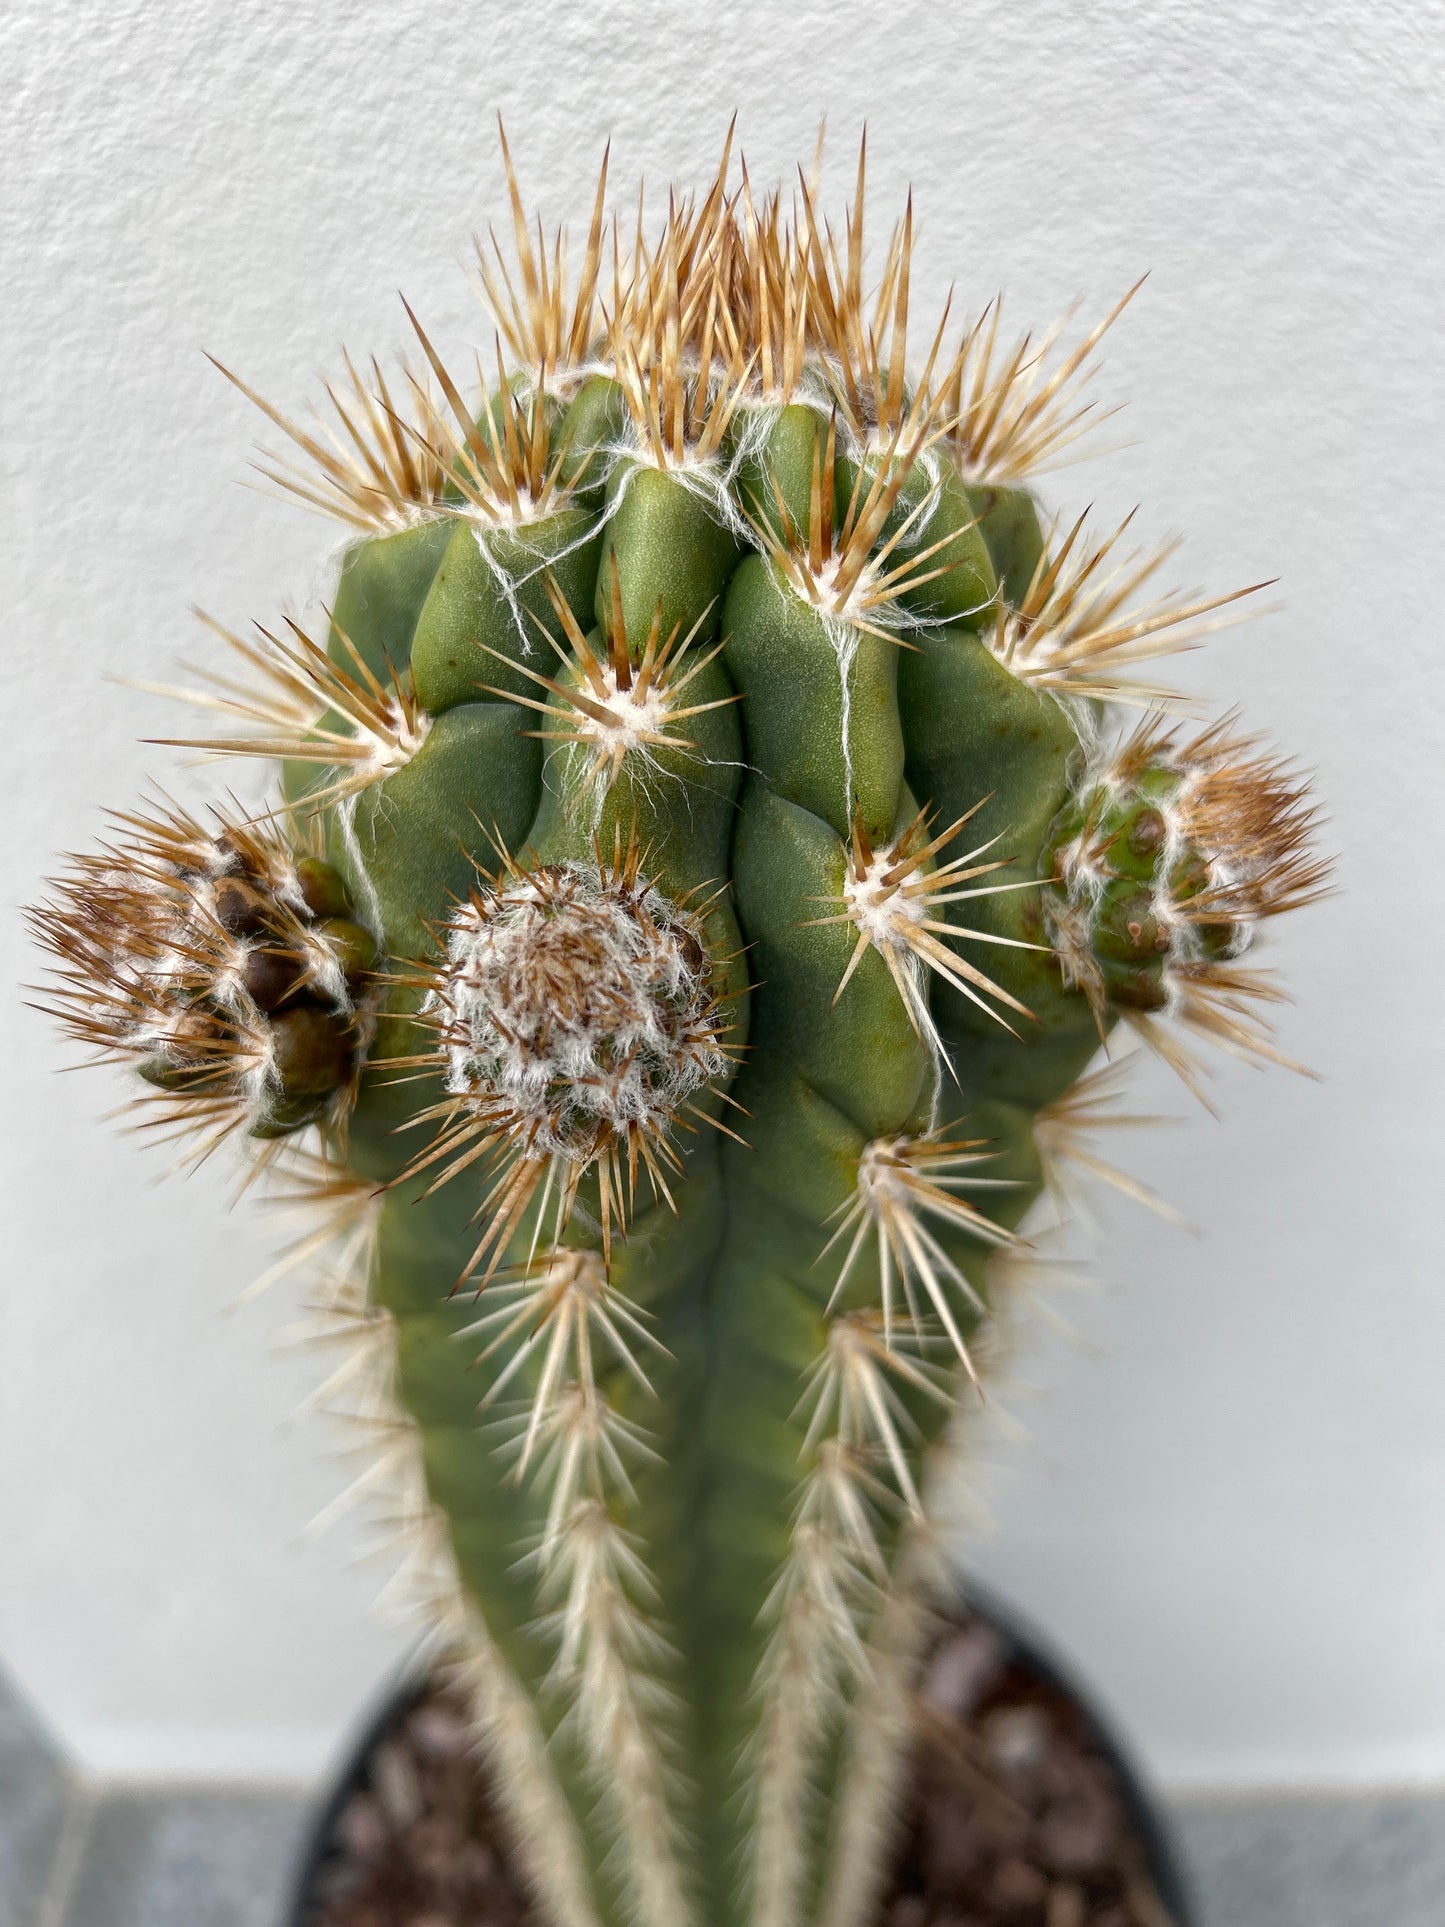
pixel 1233 1505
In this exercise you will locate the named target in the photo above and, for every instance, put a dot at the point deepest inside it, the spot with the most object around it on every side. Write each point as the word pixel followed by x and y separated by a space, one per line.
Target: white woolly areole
pixel 885 1175
pixel 390 743
pixel 502 514
pixel 830 597
pixel 576 1009
pixel 880 910
pixel 635 717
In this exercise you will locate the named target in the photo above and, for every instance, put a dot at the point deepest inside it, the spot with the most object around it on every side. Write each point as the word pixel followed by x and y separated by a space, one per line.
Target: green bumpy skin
pixel 760 808
pixel 716 882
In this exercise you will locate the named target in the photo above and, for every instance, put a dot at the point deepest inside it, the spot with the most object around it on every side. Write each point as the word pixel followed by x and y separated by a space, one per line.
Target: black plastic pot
pixel 1029 1648
pixel 1025 1648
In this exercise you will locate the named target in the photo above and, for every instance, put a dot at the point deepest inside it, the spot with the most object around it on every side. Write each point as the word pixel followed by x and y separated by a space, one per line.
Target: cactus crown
pixel 709 857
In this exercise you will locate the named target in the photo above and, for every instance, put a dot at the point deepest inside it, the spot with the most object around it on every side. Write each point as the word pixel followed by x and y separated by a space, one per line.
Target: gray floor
pixel 226 1859
pixel 182 1860
pixel 1342 1862
pixel 35 1813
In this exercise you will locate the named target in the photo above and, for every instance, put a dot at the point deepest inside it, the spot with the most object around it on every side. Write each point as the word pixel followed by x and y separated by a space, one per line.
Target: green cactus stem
pixel 709 862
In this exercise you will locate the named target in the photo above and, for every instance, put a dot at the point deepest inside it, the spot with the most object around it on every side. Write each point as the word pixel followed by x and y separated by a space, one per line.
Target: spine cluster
pixel 576 1021
pixel 1167 859
pixel 224 963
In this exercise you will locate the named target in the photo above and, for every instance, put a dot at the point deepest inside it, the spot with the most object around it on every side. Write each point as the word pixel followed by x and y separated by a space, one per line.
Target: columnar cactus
pixel 709 858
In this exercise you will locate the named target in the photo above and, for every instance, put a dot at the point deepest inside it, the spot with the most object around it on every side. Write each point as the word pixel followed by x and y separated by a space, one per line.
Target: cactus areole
pixel 720 822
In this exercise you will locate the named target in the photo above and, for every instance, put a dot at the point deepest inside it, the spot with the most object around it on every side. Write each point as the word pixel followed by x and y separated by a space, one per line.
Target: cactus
pixel 709 858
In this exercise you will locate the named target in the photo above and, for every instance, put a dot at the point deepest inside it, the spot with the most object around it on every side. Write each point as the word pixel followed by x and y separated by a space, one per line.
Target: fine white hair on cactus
pixel 892 897
pixel 509 473
pixel 1249 815
pixel 575 1026
pixel 285 712
pixel 525 559
pixel 612 709
pixel 679 416
pixel 1223 800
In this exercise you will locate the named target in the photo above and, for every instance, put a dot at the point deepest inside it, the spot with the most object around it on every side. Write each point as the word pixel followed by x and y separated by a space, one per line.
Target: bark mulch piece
pixel 1014 1818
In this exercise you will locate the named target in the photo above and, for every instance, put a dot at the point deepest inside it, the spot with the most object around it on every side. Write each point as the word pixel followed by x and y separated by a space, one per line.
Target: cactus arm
pixel 543 1787
pixel 675 804
pixel 678 805
pixel 834 1065
pixel 412 850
